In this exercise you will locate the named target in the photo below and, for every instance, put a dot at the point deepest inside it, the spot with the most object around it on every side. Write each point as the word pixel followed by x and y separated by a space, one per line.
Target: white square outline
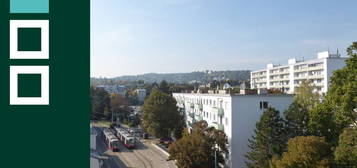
pixel 15 70
pixel 15 24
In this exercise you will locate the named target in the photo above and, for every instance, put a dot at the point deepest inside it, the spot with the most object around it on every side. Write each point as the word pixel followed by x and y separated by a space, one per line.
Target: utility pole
pixel 215 158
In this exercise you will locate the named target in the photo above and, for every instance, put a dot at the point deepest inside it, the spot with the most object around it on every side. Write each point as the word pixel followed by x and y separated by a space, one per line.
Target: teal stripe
pixel 29 6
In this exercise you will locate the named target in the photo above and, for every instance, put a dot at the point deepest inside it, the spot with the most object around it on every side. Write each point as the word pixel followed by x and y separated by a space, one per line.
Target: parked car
pixel 165 140
pixel 145 135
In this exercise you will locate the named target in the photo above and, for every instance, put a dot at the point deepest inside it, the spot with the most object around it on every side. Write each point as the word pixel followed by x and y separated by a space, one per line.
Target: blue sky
pixel 130 37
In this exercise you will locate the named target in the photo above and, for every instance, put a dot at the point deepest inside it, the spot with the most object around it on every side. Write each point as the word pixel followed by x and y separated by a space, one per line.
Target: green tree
pixel 181 125
pixel 297 115
pixel 100 103
pixel 119 107
pixel 160 114
pixel 305 152
pixel 338 110
pixel 322 123
pixel 199 148
pixel 297 118
pixel 268 141
pixel 346 151
pixel 164 87
pixel 342 94
pixel 305 96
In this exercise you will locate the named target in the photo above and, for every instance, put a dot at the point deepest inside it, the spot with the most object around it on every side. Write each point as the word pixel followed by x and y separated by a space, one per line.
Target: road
pixel 145 155
pixel 110 160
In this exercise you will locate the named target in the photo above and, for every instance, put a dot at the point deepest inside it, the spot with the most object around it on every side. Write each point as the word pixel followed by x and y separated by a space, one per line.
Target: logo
pixel 29 40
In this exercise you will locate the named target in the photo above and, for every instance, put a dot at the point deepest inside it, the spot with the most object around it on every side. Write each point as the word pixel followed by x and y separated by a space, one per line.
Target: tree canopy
pixel 268 141
pixel 164 87
pixel 100 102
pixel 339 108
pixel 305 96
pixel 297 118
pixel 198 148
pixel 346 151
pixel 305 152
pixel 160 114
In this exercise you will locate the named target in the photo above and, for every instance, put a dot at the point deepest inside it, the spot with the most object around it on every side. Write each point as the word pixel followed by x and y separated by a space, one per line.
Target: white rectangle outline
pixel 15 70
pixel 14 25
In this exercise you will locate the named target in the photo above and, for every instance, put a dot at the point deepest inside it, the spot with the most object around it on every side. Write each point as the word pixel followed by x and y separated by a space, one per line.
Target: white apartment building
pixel 141 94
pixel 236 115
pixel 288 77
pixel 114 89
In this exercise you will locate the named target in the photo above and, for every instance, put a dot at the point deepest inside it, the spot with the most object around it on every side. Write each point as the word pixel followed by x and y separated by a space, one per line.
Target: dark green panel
pixel 55 136
pixel 29 85
pixel 29 39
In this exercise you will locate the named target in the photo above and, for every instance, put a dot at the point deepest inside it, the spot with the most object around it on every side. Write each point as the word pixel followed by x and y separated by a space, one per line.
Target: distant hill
pixel 184 77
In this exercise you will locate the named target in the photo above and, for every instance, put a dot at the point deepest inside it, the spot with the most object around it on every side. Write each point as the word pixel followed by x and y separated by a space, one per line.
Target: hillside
pixel 183 77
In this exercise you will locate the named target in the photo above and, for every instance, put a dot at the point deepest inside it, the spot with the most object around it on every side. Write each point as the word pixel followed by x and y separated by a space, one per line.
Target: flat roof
pixel 298 63
pixel 240 95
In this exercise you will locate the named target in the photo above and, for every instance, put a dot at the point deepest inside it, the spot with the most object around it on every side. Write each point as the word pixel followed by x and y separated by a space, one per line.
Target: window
pixel 263 105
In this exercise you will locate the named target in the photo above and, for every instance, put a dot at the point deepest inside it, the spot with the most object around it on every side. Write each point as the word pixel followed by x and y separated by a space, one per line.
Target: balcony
pixel 190 124
pixel 318 76
pixel 191 105
pixel 218 126
pixel 189 119
pixel 280 72
pixel 316 68
pixel 301 70
pixel 300 77
pixel 192 115
pixel 218 111
pixel 181 110
pixel 199 118
pixel 200 106
pixel 275 79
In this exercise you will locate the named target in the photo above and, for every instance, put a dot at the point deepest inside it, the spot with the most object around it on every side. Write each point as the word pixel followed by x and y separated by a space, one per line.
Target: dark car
pixel 145 135
pixel 165 140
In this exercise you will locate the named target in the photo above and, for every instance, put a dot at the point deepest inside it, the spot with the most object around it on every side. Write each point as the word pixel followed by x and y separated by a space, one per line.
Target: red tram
pixel 110 140
pixel 125 137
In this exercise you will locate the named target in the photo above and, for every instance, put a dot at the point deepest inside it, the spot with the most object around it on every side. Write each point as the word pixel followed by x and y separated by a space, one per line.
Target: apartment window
pixel 263 105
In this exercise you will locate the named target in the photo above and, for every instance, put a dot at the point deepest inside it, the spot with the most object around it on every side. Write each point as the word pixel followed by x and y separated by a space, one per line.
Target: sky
pixel 130 37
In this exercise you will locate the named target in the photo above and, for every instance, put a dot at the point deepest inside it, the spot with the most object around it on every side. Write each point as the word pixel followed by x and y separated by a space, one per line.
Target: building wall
pixel 332 65
pixel 141 94
pixel 93 139
pixel 245 114
pixel 331 62
pixel 241 112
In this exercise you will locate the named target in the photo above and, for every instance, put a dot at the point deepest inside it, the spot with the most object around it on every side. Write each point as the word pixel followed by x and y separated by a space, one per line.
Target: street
pixel 145 155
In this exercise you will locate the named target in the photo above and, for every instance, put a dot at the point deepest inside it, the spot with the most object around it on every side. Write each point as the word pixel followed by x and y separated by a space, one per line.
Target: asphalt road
pixel 110 161
pixel 145 155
